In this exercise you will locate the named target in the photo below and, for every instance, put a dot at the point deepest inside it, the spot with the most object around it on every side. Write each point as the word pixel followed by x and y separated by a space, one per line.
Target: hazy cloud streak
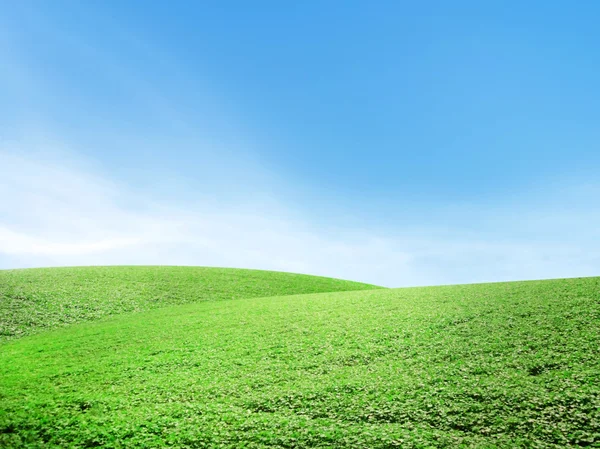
pixel 57 213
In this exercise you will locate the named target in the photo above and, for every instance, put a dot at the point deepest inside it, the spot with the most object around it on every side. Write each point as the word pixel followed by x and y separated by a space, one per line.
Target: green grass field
pixel 488 365
pixel 39 299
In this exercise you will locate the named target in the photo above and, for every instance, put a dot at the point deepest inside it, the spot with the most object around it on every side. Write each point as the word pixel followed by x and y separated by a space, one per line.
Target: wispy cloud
pixel 56 212
pixel 22 244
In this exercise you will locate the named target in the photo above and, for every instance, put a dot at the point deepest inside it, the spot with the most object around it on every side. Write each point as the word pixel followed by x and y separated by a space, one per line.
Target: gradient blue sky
pixel 401 143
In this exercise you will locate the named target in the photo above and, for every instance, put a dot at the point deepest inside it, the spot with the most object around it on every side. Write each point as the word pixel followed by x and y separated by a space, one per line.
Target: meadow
pixel 34 300
pixel 486 365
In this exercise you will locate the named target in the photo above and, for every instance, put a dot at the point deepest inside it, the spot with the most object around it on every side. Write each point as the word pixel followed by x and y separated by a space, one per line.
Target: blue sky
pixel 399 143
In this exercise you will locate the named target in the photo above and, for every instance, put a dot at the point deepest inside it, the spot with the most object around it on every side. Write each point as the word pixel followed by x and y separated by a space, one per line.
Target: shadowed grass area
pixel 488 365
pixel 38 299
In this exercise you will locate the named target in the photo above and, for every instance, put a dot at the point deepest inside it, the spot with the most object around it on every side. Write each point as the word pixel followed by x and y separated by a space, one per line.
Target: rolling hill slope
pixel 32 300
pixel 488 365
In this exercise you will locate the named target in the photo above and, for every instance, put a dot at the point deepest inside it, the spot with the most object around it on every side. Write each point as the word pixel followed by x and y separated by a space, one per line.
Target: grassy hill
pixel 488 365
pixel 39 299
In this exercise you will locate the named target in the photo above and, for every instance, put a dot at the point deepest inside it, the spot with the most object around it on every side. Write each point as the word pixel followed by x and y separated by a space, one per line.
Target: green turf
pixel 39 299
pixel 490 365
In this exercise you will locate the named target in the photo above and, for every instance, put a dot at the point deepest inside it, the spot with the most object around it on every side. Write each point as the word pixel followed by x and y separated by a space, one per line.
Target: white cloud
pixel 57 212
pixel 12 242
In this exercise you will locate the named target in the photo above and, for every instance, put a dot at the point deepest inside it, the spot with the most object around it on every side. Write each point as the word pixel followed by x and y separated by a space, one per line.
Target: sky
pixel 396 143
